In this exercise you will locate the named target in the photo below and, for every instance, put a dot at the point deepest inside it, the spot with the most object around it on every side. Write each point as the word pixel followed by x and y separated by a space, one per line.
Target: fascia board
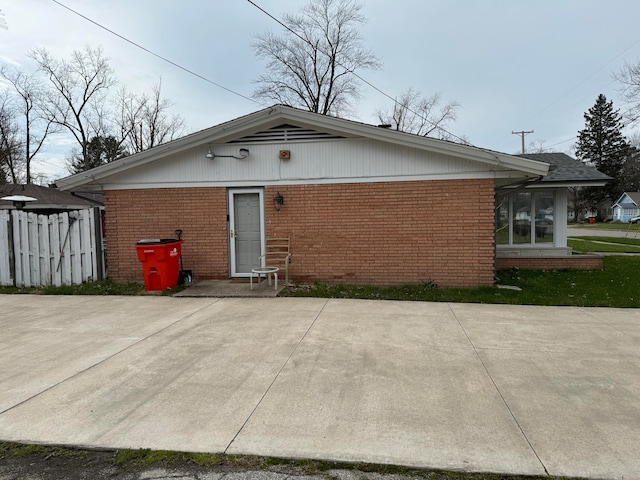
pixel 567 184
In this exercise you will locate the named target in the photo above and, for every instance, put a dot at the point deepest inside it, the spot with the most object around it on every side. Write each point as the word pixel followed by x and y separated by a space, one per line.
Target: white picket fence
pixel 58 249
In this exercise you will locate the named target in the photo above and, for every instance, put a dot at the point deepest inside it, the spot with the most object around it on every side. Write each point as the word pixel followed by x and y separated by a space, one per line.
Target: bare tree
pixel 79 87
pixel 11 143
pixel 313 65
pixel 144 121
pixel 537 146
pixel 425 116
pixel 629 78
pixel 35 125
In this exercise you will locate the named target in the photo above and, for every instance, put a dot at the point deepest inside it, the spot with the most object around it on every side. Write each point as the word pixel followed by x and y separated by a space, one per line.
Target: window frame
pixel 511 198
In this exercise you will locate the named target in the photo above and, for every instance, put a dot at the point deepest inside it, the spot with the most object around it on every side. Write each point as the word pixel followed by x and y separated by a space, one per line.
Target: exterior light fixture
pixel 19 201
pixel 278 201
pixel 244 153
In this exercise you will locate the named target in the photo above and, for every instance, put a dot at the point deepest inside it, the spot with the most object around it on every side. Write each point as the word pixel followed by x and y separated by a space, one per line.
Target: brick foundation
pixel 367 233
pixel 574 262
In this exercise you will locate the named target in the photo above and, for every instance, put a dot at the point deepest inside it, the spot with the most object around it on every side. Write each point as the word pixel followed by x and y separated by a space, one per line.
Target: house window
pixel 525 218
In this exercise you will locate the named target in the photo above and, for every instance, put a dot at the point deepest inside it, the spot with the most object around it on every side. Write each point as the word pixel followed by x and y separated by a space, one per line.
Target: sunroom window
pixel 525 218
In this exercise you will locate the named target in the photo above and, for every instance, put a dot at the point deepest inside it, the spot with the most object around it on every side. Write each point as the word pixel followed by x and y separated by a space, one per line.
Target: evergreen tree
pixel 602 145
pixel 631 172
pixel 99 150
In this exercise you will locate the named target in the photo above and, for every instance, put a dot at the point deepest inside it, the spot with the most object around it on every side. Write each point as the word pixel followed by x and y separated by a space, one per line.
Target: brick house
pixel 360 204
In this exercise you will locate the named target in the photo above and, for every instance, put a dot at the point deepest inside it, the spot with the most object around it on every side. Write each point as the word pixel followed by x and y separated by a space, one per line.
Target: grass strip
pixel 614 286
pixel 586 246
pixel 617 240
pixel 60 460
pixel 619 226
pixel 102 287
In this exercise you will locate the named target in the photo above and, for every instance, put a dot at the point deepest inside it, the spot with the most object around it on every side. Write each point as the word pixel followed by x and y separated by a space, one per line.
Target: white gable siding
pixel 326 161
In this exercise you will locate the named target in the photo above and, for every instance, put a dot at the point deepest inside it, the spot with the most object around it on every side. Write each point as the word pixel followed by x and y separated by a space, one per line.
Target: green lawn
pixel 605 226
pixel 585 246
pixel 604 244
pixel 621 240
pixel 617 285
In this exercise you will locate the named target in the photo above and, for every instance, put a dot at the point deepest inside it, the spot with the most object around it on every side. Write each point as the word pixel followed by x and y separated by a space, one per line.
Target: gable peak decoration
pixel 287 133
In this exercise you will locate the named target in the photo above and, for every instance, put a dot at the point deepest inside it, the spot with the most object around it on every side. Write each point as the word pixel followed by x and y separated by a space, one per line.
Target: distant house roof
pixel 48 198
pixel 634 198
pixel 568 170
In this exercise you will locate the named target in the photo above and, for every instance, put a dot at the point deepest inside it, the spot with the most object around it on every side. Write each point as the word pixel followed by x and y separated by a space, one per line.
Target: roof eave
pixel 571 183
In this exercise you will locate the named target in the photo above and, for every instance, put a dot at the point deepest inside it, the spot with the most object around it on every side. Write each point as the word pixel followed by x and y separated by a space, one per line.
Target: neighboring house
pixel 48 200
pixel 626 206
pixel 360 204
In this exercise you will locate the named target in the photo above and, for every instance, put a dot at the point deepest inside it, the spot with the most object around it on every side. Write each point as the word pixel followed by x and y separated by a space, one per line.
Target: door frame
pixel 232 244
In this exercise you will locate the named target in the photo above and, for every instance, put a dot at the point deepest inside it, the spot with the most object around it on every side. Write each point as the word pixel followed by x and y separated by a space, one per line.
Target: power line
pixel 191 72
pixel 363 80
pixel 563 141
pixel 171 62
pixel 576 86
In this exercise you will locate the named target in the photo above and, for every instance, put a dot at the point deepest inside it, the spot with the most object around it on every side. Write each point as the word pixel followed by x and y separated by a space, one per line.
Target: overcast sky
pixel 511 64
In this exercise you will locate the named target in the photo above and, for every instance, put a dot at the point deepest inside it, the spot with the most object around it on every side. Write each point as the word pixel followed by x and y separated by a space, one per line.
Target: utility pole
pixel 522 134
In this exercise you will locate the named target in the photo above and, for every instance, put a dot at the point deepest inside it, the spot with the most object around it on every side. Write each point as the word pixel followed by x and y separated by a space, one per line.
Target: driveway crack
pixel 276 376
pixel 495 385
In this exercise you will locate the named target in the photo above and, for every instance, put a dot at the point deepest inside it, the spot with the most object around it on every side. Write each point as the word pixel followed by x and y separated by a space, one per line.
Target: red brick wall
pixel 575 262
pixel 201 213
pixel 368 233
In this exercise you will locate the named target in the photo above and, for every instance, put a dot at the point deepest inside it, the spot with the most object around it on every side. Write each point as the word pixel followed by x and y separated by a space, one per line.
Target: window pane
pixel 543 202
pixel 502 219
pixel 522 218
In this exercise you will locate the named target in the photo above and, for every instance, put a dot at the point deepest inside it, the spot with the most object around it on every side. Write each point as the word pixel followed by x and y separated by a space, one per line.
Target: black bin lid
pixel 156 241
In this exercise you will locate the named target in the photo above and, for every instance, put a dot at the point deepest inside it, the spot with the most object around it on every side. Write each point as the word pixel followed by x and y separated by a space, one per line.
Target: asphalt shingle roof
pixel 567 169
pixel 634 196
pixel 46 197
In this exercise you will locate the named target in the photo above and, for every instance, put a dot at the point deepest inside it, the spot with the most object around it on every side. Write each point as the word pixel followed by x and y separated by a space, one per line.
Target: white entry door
pixel 246 230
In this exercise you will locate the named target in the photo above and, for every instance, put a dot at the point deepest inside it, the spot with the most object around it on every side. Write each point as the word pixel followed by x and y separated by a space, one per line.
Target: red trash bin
pixel 160 262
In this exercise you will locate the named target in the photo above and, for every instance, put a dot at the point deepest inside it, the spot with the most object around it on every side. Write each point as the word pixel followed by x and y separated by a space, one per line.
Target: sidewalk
pixel 494 388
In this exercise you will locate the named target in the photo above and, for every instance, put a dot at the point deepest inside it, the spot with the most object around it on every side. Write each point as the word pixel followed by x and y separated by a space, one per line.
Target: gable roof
pixel 633 196
pixel 48 198
pixel 278 116
pixel 568 170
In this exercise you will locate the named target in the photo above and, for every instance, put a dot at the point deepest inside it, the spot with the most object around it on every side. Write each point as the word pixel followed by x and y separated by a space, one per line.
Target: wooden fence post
pixel 7 274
